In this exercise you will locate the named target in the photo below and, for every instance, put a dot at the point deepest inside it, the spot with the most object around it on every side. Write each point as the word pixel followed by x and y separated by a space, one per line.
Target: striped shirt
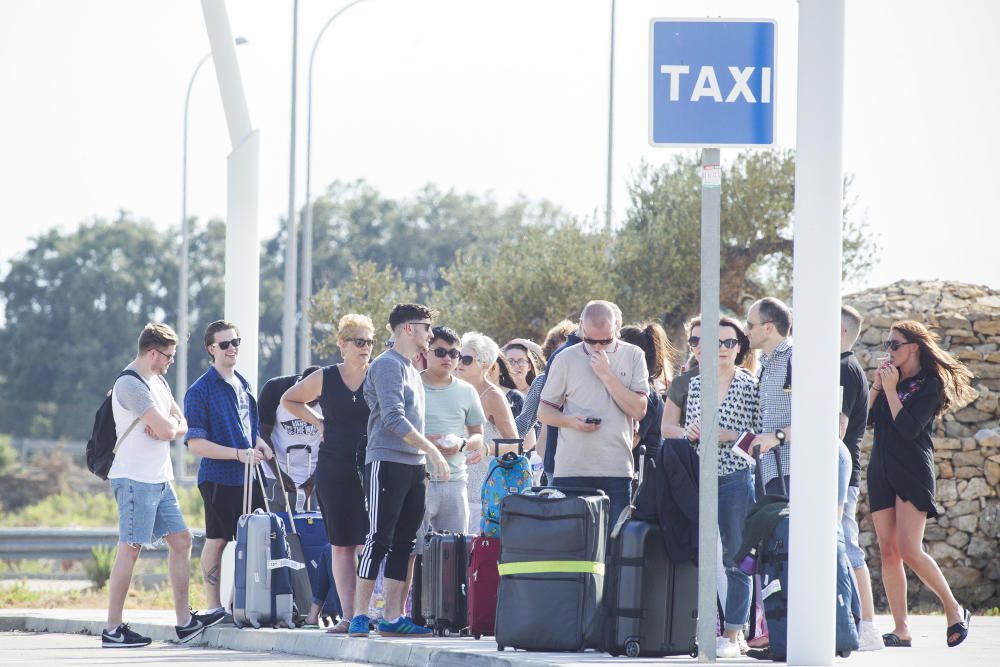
pixel 776 405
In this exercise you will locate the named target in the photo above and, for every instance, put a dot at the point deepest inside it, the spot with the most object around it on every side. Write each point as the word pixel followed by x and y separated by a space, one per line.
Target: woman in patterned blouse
pixel 738 413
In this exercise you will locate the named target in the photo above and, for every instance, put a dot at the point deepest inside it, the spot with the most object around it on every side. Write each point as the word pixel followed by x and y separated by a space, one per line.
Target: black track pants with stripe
pixel 395 493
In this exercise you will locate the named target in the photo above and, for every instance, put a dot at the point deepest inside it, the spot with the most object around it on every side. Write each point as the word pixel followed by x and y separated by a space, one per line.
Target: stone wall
pixel 965 539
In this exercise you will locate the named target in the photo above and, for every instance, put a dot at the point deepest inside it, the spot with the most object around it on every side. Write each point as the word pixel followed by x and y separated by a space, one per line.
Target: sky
pixel 504 98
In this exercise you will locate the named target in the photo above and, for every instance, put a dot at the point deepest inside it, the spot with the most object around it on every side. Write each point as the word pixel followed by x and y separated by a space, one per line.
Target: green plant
pixel 8 455
pixel 102 559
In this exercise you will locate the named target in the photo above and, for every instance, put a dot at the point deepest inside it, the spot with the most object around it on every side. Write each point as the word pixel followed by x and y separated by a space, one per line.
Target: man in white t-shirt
pixel 146 419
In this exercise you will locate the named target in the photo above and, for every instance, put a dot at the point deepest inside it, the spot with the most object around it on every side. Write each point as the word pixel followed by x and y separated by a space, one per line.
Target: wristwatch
pixel 780 435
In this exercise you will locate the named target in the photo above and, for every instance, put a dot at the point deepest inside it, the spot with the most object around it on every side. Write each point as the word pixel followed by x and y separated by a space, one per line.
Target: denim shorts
pixel 855 554
pixel 146 512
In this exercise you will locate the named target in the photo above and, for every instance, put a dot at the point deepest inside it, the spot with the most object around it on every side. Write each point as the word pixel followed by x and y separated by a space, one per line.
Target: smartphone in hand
pixel 593 420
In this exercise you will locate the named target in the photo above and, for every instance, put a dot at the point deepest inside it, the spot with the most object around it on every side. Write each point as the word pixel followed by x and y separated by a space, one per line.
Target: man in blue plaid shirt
pixel 223 428
pixel 769 325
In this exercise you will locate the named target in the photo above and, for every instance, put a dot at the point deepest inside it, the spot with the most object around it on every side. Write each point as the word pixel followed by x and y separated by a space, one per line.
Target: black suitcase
pixel 551 569
pixel 444 583
pixel 651 603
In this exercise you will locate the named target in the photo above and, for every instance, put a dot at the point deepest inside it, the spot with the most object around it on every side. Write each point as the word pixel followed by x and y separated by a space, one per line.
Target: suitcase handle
pixel 569 490
pixel 250 470
pixel 759 474
pixel 508 441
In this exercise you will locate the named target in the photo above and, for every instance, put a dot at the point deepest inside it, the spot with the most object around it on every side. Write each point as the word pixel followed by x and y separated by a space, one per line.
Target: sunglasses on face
pixel 467 359
pixel 751 325
pixel 894 344
pixel 363 342
pixel 729 343
pixel 694 341
pixel 224 344
pixel 598 341
pixel 441 353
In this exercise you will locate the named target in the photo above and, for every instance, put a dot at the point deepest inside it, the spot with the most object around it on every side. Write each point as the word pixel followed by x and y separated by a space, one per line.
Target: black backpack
pixel 104 440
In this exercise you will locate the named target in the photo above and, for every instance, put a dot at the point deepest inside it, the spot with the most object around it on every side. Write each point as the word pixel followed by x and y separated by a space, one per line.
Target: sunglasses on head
pixel 467 359
pixel 441 353
pixel 598 341
pixel 894 344
pixel 224 344
pixel 363 342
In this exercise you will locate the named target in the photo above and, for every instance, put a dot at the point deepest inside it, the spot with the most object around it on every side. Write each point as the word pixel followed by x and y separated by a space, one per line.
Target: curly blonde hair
pixel 352 322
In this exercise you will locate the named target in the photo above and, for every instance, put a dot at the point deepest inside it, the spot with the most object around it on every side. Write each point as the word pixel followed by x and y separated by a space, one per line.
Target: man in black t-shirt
pixel 853 419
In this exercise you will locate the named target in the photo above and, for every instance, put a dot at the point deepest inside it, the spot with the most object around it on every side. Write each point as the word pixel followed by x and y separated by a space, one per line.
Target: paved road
pixel 28 648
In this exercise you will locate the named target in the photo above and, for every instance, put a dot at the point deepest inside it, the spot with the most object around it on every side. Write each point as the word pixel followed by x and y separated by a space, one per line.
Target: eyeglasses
pixel 441 353
pixel 467 359
pixel 694 341
pixel 426 324
pixel 517 362
pixel 751 325
pixel 224 344
pixel 729 343
pixel 168 357
pixel 363 342
pixel 598 341
pixel 895 344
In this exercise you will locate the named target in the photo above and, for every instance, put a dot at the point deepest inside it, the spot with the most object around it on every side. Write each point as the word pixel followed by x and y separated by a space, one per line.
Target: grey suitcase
pixel 263 582
pixel 551 569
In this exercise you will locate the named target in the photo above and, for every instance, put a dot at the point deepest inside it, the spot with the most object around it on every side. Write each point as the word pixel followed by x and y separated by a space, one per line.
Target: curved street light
pixel 305 333
pixel 182 290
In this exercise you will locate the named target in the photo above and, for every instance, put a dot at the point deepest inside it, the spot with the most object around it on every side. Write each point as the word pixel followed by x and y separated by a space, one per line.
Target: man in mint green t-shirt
pixel 454 422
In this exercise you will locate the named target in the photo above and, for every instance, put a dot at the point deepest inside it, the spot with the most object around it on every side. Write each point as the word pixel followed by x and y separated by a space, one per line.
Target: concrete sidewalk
pixel 981 649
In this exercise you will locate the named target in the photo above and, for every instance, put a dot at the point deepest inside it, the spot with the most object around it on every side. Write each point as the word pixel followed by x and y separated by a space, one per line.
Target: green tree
pixel 535 278
pixel 657 253
pixel 367 291
pixel 74 305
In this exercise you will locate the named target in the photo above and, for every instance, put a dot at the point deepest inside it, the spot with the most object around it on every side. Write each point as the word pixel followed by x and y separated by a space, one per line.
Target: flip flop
pixel 961 629
pixel 891 640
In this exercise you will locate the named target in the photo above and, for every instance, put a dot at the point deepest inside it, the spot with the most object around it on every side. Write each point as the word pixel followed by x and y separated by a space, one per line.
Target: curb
pixel 383 651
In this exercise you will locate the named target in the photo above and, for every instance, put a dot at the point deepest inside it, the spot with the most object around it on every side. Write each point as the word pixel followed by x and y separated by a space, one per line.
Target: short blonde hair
pixel 483 347
pixel 351 323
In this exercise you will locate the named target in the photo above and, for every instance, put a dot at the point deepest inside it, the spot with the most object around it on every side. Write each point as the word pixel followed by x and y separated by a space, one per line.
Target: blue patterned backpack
pixel 508 475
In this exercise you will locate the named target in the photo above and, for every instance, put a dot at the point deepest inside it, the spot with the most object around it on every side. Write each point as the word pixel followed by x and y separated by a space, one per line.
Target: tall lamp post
pixel 611 128
pixel 305 332
pixel 182 291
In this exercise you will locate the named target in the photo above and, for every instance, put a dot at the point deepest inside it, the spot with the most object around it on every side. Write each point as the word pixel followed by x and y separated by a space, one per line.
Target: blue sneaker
pixel 359 626
pixel 402 627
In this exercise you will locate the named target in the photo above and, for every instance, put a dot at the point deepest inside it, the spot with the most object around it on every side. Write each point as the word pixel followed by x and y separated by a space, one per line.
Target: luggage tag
pixel 274 564
pixel 770 588
pixel 300 500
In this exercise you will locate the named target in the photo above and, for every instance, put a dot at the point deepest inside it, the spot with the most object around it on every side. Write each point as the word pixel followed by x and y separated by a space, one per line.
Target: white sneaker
pixel 726 648
pixel 869 637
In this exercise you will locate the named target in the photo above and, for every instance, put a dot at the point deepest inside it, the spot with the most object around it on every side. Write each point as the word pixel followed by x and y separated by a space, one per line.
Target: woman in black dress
pixel 340 392
pixel 913 385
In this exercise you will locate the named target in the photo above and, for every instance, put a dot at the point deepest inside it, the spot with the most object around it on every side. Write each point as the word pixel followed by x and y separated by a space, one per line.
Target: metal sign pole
pixel 708 487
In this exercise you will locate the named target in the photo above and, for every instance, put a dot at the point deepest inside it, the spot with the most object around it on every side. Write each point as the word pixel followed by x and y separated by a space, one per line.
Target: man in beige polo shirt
pixel 601 386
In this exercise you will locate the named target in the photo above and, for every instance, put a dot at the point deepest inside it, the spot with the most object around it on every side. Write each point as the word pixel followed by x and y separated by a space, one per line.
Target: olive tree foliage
pixel 536 277
pixel 658 250
pixel 367 291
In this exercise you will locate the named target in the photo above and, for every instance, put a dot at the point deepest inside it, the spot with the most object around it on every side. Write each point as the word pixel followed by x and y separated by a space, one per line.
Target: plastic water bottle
pixel 536 467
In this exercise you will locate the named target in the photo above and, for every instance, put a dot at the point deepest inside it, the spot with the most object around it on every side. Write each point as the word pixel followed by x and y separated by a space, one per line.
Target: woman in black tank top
pixel 339 471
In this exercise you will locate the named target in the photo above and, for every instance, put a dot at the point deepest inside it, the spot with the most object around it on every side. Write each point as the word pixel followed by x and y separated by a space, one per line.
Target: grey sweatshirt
pixel 395 394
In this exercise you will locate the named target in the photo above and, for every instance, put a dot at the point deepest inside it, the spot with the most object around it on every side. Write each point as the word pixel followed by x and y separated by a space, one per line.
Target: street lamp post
pixel 291 238
pixel 183 287
pixel 305 333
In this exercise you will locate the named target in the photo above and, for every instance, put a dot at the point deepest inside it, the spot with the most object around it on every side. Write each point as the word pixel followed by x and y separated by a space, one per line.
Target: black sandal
pixel 961 629
pixel 892 640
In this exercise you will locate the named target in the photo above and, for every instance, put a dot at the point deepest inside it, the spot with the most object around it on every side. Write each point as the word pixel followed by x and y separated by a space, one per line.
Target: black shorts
pixel 223 507
pixel 342 501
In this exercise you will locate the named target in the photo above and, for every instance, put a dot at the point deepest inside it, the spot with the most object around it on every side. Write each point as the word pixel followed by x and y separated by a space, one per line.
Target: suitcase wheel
pixel 445 632
pixel 632 648
pixel 478 637
pixel 500 647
